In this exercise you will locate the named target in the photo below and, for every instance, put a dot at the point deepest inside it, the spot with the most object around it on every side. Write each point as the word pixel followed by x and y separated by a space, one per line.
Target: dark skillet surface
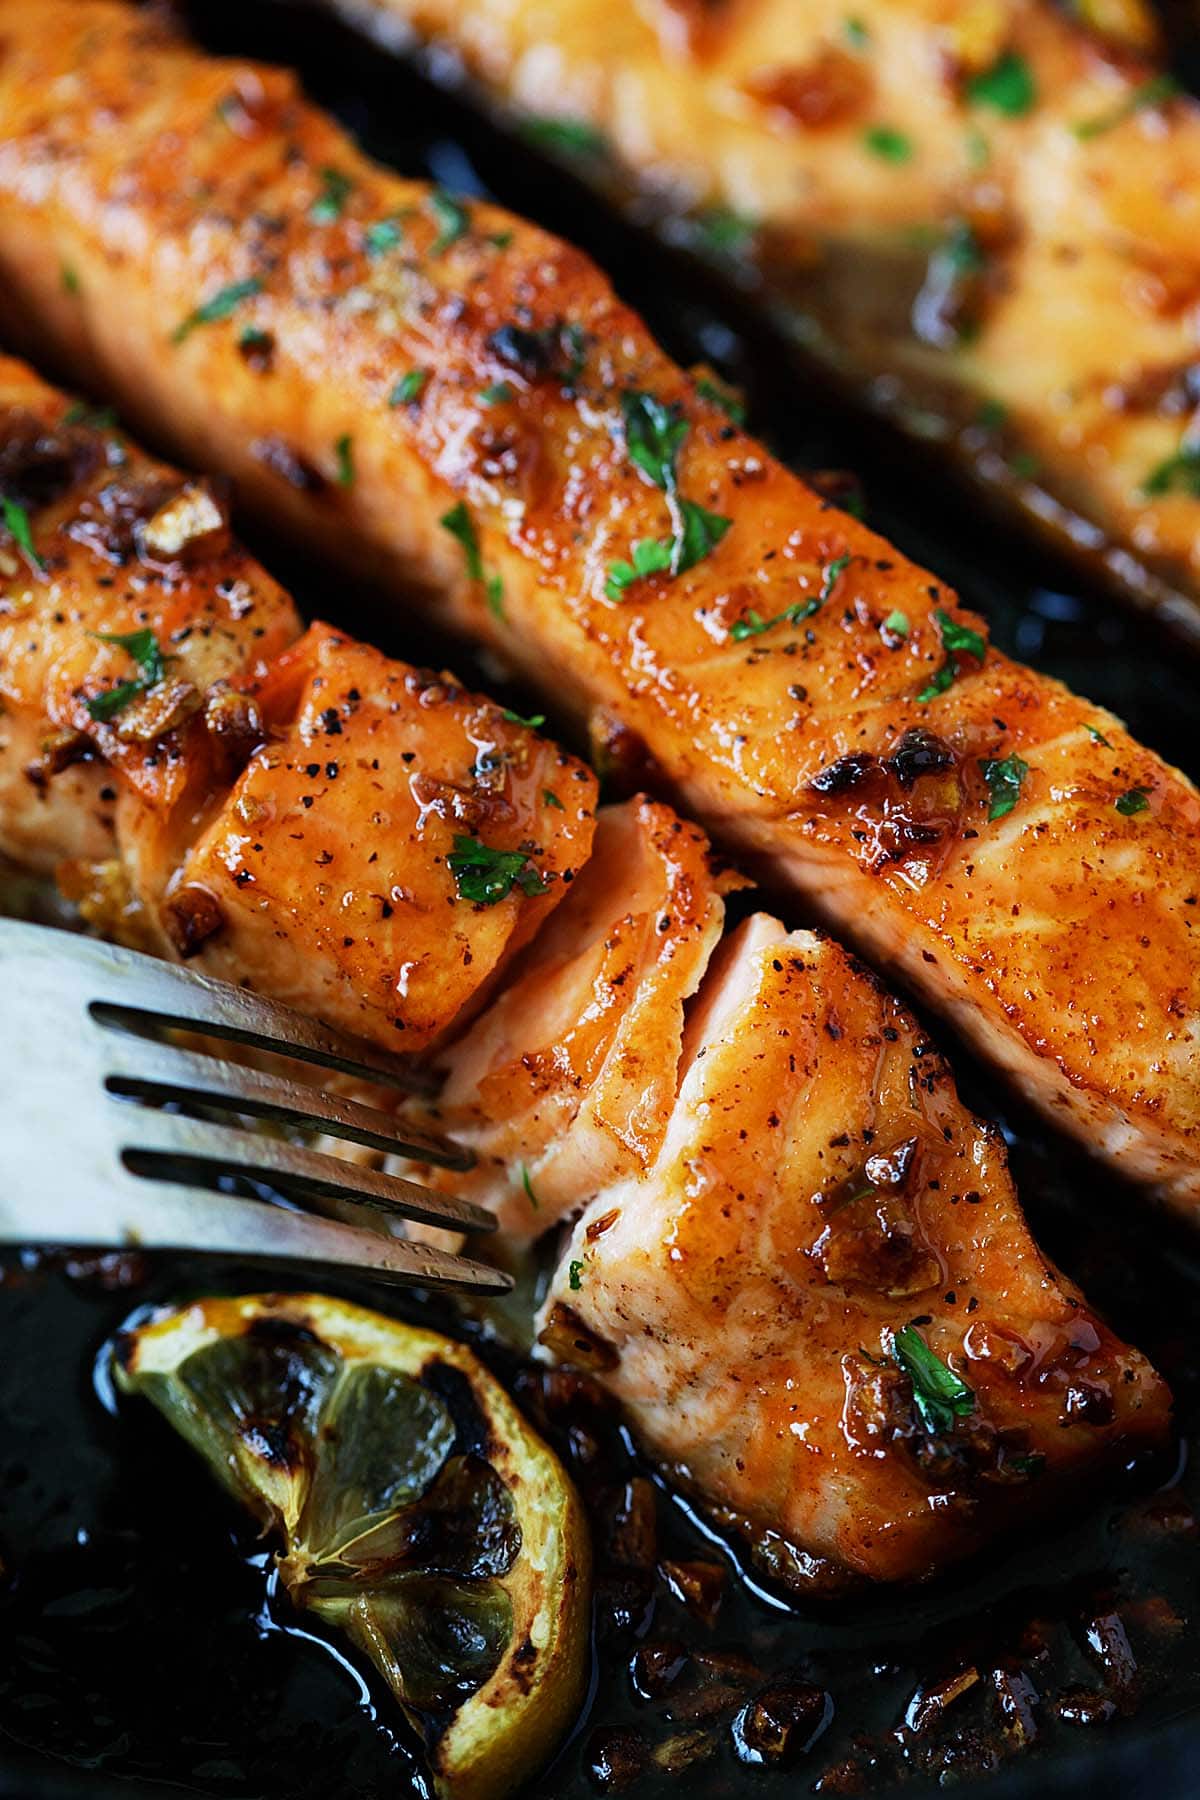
pixel 137 1636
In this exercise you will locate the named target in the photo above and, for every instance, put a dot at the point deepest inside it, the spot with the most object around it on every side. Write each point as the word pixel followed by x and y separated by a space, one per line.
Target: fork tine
pixel 138 993
pixel 156 1143
pixel 146 1069
pixel 185 1219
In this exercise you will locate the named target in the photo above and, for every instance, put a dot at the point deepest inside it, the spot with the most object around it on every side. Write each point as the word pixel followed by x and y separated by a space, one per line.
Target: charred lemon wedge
pixel 416 1510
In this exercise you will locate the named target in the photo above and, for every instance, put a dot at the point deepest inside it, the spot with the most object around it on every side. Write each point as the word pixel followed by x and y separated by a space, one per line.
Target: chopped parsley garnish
pixel 1179 474
pixel 940 1396
pixel 143 647
pixel 485 875
pixel 409 388
pixel 1004 777
pixel 575 1275
pixel 897 623
pixel 729 402
pixel 330 203
pixel 222 304
pixel 856 33
pixel 528 1186
pixel 501 239
pixel 888 144
pixel 992 416
pixel 723 231
pixel 751 624
pixel 701 531
pixel 453 220
pixel 534 722
pixel 550 798
pixel 1008 86
pixel 654 435
pixel 383 235
pixel 70 280
pixel 569 137
pixel 497 394
pixel 650 556
pixel 956 640
pixel 459 523
pixel 253 337
pixel 1098 737
pixel 96 418
pixel 1155 92
pixel 1134 800
pixel 345 460
pixel 17 521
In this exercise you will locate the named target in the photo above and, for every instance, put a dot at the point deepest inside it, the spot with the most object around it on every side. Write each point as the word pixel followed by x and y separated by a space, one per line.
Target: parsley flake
pixel 939 1395
pixel 330 204
pixel 729 402
pixel 1179 474
pixel 1004 777
pixel 1097 736
pixel 575 1275
pixel 654 435
pixel 956 640
pixel 344 449
pixel 566 137
pixel 453 220
pixel 897 623
pixel 409 388
pixel 383 235
pixel 16 520
pixel 1155 92
pixel 221 305
pixel 144 648
pixel 550 798
pixel 723 232
pixel 1007 86
pixel 888 144
pixel 485 876
pixel 527 1184
pixel 534 722
pixel 498 394
pixel 1134 800
pixel 459 523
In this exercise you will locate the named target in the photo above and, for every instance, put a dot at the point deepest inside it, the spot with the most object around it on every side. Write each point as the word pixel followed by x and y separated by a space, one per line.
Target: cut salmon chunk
pixel 566 1082
pixel 393 842
pixel 821 1305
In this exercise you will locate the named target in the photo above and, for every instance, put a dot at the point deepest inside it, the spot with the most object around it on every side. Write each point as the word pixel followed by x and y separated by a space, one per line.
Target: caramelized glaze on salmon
pixel 727 1129
pixel 455 401
pixel 292 811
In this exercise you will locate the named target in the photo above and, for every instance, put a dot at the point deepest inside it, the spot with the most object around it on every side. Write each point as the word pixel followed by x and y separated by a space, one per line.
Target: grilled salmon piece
pixel 364 839
pixel 992 206
pixel 390 845
pixel 457 402
pixel 820 1304
pixel 565 1084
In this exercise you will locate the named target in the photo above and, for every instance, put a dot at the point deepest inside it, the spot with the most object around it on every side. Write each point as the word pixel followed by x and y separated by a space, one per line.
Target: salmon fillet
pixel 984 217
pixel 455 402
pixel 302 814
pixel 297 813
